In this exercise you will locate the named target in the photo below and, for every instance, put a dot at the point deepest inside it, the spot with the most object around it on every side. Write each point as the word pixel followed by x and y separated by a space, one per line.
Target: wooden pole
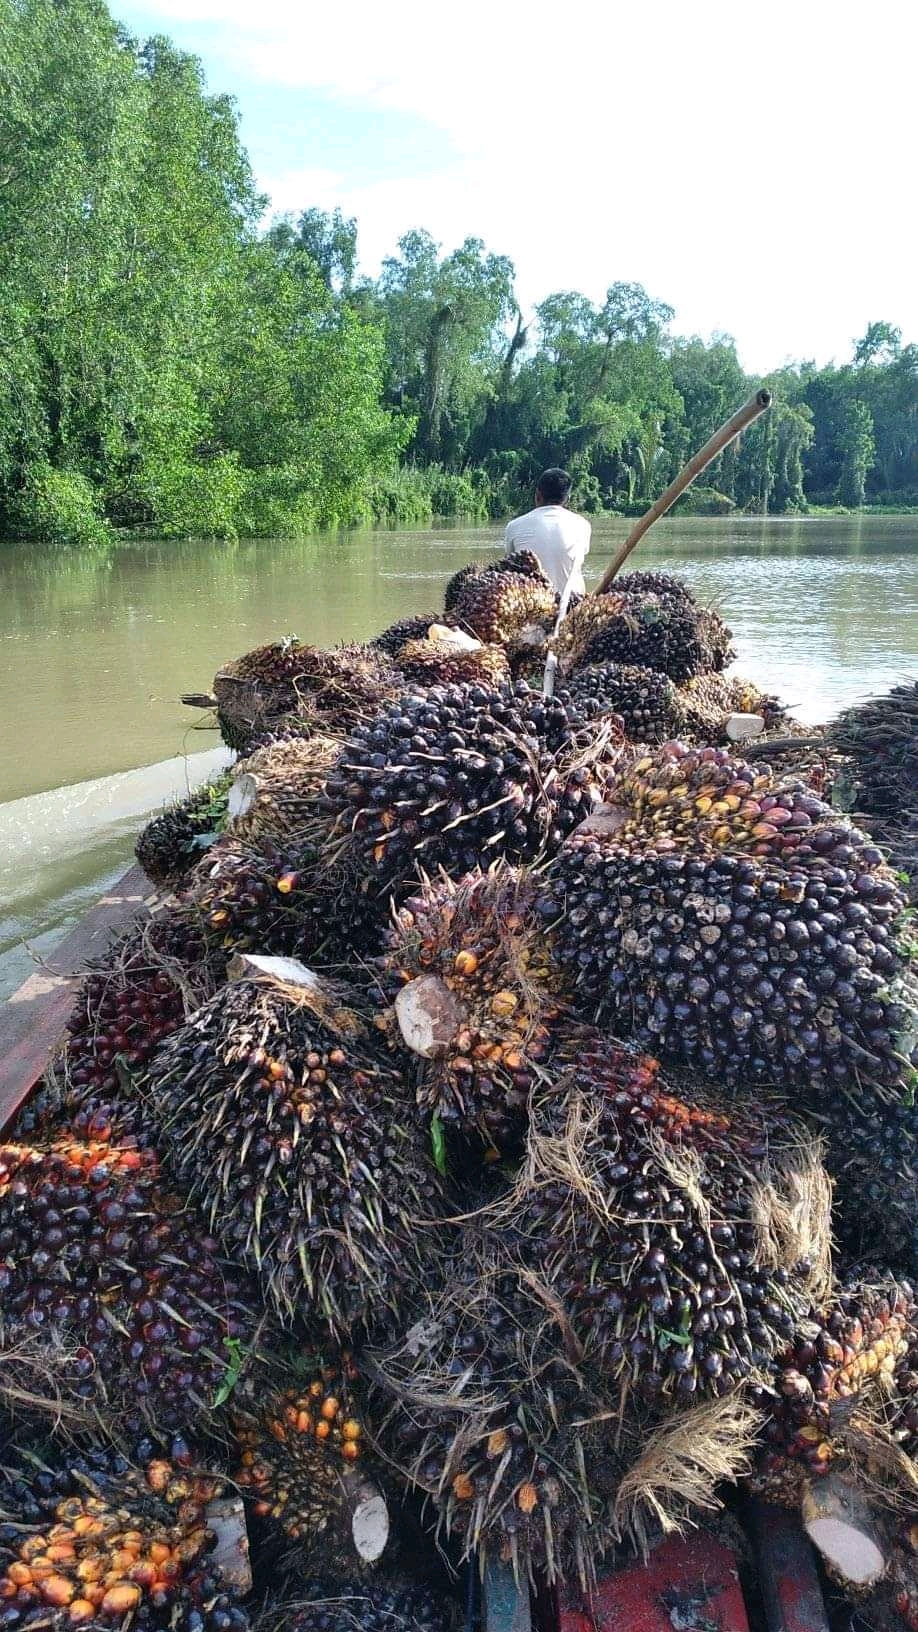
pixel 721 439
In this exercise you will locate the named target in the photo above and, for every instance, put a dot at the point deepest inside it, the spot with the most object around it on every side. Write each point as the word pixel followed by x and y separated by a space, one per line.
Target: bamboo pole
pixel 721 439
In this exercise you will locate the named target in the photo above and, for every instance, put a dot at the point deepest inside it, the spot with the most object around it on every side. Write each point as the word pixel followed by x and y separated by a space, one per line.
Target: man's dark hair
pixel 554 485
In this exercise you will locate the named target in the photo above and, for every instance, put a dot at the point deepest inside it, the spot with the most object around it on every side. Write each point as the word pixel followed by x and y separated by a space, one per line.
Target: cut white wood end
pixel 742 727
pixel 447 636
pixel 428 1016
pixel 369 1523
pixel 242 794
pixel 293 973
pixel 226 1518
pixel 840 1523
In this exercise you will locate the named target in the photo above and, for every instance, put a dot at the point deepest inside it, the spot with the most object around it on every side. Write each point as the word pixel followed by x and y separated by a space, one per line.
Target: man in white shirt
pixel 559 538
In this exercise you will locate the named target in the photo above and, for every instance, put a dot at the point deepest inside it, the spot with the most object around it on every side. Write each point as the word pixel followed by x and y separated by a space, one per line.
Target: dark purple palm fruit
pixel 645 700
pixel 100 1260
pixel 337 1605
pixel 297 1139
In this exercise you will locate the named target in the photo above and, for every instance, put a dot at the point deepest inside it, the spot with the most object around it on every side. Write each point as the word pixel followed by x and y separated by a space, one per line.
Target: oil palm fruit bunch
pixel 476 946
pixel 871 1141
pixel 373 1606
pixel 99 1257
pixel 293 1451
pixel 275 789
pixel 266 895
pixel 652 583
pixel 880 737
pixel 643 1212
pixel 735 925
pixel 838 1358
pixel 295 1137
pixel 137 994
pixel 331 690
pixel 170 844
pixel 405 630
pixel 439 663
pixel 646 701
pixel 460 775
pixel 90 1541
pixel 653 631
pixel 522 562
pixel 707 700
pixel 496 603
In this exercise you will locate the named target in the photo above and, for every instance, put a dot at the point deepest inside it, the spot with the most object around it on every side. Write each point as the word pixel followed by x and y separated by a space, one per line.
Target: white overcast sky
pixel 753 165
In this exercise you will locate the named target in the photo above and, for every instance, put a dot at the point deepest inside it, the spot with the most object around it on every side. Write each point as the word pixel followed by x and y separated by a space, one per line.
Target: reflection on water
pixel 95 650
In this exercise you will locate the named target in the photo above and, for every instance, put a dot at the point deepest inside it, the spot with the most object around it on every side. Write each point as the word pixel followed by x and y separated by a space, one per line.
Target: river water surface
pixel 96 650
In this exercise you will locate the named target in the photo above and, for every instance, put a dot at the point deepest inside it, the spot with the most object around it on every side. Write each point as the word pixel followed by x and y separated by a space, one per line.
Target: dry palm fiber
pixel 644 699
pixel 681 1238
pixel 296 1138
pixel 480 940
pixel 340 1605
pixel 325 690
pixel 484 1405
pixel 521 562
pixel 89 1541
pixel 97 1254
pixel 141 990
pixel 439 663
pixel 399 634
pixel 661 632
pixel 461 775
pixel 848 1358
pixel 734 923
pixel 498 601
pixel 170 844
pixel 880 738
pixel 275 789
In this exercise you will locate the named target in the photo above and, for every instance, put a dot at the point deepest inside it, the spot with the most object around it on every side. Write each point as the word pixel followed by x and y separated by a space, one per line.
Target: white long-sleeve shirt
pixel 558 537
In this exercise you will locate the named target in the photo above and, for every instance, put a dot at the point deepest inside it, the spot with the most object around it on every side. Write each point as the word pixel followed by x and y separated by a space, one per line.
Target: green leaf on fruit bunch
pixel 438 1144
pixel 126 1077
pixel 237 1358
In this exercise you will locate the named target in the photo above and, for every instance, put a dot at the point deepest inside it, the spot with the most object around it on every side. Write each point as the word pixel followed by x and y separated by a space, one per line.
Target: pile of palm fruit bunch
pixel 171 844
pixel 655 626
pixel 289 681
pixel 457 775
pixel 100 1258
pixel 292 1131
pixel 509 1114
pixel 90 1539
